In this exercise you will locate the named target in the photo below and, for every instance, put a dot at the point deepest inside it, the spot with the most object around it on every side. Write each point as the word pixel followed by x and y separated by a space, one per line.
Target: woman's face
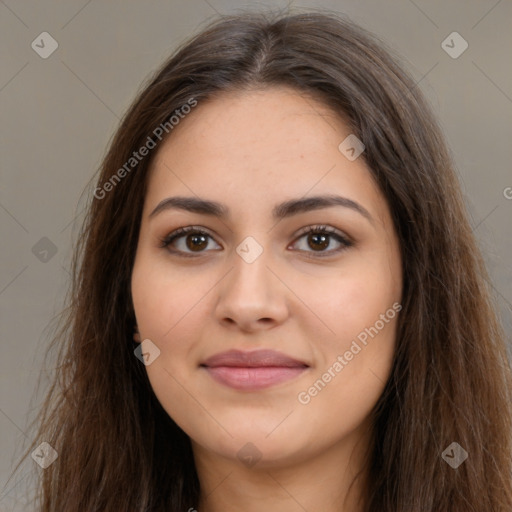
pixel 254 171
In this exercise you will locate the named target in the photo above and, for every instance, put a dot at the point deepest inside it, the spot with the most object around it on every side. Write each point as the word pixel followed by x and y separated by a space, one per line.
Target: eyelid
pixel 345 241
pixel 166 241
pixel 323 228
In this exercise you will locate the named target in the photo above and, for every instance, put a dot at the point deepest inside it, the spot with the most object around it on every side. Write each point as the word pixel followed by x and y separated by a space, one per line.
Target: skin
pixel 250 151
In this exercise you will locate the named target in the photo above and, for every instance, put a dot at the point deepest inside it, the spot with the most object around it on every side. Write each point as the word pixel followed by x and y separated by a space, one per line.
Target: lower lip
pixel 251 379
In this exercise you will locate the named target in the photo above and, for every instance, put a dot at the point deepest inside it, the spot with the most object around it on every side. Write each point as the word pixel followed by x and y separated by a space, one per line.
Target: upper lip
pixel 254 359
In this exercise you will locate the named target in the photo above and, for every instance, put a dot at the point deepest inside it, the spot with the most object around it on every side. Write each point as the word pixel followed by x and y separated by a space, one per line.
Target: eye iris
pixel 196 241
pixel 319 239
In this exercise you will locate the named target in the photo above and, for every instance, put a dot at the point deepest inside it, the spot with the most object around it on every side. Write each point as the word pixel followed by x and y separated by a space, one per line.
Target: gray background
pixel 59 113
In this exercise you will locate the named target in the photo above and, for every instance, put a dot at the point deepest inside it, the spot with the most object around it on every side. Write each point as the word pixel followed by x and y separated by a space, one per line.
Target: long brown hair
pixel 451 379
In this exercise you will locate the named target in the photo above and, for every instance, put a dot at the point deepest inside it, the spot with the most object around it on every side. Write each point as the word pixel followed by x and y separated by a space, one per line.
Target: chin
pixel 263 447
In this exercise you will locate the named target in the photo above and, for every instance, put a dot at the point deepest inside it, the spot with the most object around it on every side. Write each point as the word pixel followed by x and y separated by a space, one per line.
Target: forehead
pixel 257 148
pixel 265 124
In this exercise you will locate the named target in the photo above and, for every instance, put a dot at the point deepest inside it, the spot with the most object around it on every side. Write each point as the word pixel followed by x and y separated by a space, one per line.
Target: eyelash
pixel 326 230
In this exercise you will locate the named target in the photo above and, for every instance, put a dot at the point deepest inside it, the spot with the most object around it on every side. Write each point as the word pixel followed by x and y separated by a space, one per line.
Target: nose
pixel 252 297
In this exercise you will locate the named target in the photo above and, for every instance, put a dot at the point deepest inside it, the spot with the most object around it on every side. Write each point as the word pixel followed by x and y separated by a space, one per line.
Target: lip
pixel 251 371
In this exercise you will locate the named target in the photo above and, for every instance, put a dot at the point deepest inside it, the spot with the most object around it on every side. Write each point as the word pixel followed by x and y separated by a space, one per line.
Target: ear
pixel 136 334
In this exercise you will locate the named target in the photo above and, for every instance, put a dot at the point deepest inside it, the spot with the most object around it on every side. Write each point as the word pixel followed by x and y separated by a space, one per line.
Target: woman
pixel 278 302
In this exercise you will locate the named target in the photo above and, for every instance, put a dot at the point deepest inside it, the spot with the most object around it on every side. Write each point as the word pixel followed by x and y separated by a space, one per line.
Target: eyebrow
pixel 280 211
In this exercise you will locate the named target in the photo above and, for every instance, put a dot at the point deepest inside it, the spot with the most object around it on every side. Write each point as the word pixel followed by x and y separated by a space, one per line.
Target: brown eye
pixel 195 241
pixel 318 239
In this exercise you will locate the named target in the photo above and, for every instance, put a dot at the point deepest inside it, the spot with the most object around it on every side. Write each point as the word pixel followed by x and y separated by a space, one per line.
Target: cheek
pixel 170 309
pixel 356 365
pixel 353 301
pixel 360 309
pixel 176 324
pixel 162 297
pixel 165 313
